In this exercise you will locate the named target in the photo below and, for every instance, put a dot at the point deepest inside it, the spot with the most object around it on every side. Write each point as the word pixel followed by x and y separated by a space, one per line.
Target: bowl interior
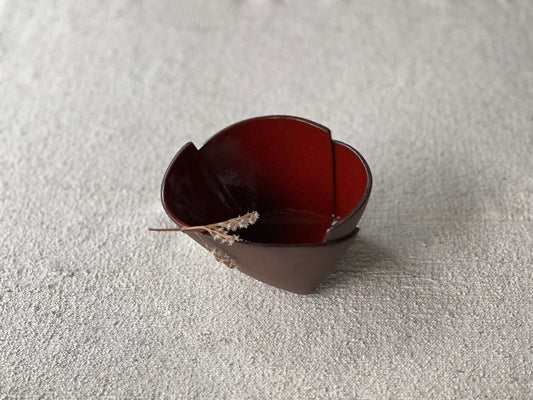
pixel 287 168
pixel 192 194
pixel 351 180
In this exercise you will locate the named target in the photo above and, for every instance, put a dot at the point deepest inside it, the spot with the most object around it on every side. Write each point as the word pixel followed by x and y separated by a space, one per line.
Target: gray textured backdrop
pixel 435 298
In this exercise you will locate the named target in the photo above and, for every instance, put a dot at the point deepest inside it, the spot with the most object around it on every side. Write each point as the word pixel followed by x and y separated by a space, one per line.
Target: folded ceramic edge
pixel 348 224
pixel 341 229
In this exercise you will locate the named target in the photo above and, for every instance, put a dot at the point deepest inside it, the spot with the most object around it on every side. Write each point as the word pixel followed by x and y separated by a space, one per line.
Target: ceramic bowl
pixel 309 190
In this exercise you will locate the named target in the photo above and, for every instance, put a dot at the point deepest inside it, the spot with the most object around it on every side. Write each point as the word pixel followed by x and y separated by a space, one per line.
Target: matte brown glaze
pixel 298 269
pixel 309 190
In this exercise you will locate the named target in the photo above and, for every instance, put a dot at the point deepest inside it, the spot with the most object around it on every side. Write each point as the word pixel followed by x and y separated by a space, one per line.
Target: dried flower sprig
pixel 222 257
pixel 220 231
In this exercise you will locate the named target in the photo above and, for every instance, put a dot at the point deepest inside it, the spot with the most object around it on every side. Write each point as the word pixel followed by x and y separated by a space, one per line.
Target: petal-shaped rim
pixel 307 121
pixel 338 225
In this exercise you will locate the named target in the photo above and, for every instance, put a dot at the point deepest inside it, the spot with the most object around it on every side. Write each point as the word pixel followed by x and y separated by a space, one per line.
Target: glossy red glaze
pixel 192 194
pixel 350 178
pixel 281 167
pixel 307 188
pixel 353 182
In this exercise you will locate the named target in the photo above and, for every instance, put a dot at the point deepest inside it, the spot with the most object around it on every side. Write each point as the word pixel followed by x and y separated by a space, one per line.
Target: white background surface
pixel 433 300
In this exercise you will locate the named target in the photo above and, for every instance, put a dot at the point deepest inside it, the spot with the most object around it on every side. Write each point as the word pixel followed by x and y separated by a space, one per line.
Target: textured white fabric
pixel 433 300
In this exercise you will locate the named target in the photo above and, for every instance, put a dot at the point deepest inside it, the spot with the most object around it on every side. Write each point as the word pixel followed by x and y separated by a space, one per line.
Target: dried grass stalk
pixel 222 257
pixel 221 232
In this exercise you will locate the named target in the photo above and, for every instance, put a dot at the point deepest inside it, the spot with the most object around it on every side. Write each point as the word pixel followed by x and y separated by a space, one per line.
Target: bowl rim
pixel 366 193
pixel 354 211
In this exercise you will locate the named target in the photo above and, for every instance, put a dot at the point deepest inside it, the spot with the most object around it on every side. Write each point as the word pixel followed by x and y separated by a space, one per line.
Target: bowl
pixel 309 190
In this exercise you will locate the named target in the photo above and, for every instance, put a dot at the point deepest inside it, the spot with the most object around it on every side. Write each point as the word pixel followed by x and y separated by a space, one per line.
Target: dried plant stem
pixel 218 234
pixel 219 255
pixel 220 231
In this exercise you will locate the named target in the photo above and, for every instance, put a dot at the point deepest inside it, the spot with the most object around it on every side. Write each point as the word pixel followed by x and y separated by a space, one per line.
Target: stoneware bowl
pixel 309 190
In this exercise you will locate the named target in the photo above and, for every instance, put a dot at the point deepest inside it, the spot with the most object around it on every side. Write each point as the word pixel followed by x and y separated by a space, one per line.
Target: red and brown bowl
pixel 309 190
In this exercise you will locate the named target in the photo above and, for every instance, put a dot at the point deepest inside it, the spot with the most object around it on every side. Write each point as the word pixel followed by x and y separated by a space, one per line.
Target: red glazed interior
pixel 286 168
pixel 351 180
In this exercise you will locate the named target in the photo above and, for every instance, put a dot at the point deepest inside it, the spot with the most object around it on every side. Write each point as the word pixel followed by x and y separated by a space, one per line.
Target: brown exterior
pixel 298 269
